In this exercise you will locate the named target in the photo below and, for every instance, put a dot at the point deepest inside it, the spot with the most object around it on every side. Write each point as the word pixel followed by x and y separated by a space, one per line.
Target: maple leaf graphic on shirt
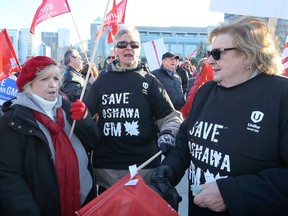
pixel 132 128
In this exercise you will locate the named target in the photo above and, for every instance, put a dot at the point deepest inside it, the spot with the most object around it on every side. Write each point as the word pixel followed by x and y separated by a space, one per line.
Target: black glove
pixel 161 180
pixel 166 141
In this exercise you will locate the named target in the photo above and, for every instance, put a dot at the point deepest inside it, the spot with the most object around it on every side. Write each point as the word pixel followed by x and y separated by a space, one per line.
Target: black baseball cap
pixel 169 55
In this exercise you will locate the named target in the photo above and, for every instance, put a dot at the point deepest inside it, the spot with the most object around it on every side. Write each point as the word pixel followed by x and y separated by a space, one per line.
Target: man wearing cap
pixel 171 81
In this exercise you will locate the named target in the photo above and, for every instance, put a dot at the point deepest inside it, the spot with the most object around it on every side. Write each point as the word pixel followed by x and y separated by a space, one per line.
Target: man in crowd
pixel 73 80
pixel 171 81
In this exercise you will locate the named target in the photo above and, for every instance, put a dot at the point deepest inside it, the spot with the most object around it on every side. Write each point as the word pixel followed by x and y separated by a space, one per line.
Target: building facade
pixel 179 40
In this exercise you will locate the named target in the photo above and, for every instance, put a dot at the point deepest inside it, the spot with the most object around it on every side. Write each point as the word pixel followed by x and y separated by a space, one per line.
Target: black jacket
pixel 28 181
pixel 242 145
pixel 173 86
pixel 184 77
pixel 73 83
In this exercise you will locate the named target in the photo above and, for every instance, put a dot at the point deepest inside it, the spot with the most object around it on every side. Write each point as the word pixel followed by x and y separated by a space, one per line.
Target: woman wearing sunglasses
pixel 235 139
pixel 132 107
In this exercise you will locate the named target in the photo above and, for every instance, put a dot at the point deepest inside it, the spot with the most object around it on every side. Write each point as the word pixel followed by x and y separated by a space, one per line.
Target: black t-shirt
pixel 238 137
pixel 128 103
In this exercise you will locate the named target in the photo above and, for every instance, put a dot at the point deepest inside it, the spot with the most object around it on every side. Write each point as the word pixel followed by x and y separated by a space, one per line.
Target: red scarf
pixel 66 163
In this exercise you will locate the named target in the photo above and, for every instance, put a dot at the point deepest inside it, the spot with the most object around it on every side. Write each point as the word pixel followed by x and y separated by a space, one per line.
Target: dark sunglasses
pixel 111 57
pixel 216 53
pixel 124 44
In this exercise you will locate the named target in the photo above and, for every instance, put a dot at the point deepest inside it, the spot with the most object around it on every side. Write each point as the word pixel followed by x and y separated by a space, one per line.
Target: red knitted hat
pixel 30 68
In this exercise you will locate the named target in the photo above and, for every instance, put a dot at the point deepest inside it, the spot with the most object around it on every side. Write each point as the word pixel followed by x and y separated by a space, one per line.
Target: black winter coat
pixel 173 86
pixel 28 181
pixel 184 77
pixel 73 83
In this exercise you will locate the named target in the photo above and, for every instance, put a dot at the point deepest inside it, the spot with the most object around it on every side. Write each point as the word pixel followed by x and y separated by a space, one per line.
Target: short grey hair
pixel 131 30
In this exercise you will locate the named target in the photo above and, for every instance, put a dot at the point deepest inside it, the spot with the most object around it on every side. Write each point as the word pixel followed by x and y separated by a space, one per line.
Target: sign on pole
pixel 154 50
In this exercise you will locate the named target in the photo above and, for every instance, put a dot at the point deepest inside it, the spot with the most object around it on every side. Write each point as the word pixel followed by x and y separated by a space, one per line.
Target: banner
pixel 154 50
pixel 113 18
pixel 128 197
pixel 285 57
pixel 8 89
pixel 49 9
pixel 9 62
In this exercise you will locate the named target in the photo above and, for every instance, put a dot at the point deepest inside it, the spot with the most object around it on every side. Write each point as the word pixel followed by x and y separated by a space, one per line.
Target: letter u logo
pixel 145 85
pixel 257 116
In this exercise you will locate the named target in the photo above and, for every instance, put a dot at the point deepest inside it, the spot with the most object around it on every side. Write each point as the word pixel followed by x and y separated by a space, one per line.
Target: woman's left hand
pixel 210 197
pixel 78 110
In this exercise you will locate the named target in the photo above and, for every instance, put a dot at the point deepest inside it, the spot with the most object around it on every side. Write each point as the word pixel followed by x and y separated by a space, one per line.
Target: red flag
pixel 9 62
pixel 285 57
pixel 128 198
pixel 206 75
pixel 192 54
pixel 112 32
pixel 113 18
pixel 49 9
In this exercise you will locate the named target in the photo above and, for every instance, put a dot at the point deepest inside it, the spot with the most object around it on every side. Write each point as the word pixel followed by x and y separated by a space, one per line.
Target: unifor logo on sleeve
pixel 256 117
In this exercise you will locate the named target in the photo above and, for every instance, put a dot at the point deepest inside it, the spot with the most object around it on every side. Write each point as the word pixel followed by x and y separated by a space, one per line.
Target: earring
pixel 248 67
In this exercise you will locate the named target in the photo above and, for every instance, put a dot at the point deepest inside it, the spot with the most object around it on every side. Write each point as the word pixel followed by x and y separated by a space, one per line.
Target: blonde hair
pixel 252 36
pixel 40 74
pixel 94 70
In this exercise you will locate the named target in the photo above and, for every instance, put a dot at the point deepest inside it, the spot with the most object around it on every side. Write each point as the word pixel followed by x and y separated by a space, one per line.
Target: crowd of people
pixel 232 139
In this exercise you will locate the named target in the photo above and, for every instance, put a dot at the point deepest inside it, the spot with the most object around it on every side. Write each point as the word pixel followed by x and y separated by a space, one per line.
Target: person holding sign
pixel 235 139
pixel 43 172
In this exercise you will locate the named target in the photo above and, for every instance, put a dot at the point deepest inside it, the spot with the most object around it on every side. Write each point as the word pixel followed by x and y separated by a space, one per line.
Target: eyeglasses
pixel 111 57
pixel 124 44
pixel 216 53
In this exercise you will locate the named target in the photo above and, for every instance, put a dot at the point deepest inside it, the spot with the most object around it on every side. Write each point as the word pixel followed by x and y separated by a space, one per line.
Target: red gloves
pixel 78 110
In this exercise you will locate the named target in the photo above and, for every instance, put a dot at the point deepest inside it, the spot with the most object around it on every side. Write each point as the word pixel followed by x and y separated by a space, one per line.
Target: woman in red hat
pixel 42 170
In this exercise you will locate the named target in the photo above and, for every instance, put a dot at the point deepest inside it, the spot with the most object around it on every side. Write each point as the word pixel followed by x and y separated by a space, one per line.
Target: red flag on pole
pixel 113 18
pixel 112 32
pixel 9 62
pixel 285 57
pixel 206 75
pixel 128 197
pixel 192 54
pixel 49 9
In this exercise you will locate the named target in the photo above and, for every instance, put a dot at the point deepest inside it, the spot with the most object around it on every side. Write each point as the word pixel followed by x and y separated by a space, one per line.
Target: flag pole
pixel 81 42
pixel 90 63
pixel 149 160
